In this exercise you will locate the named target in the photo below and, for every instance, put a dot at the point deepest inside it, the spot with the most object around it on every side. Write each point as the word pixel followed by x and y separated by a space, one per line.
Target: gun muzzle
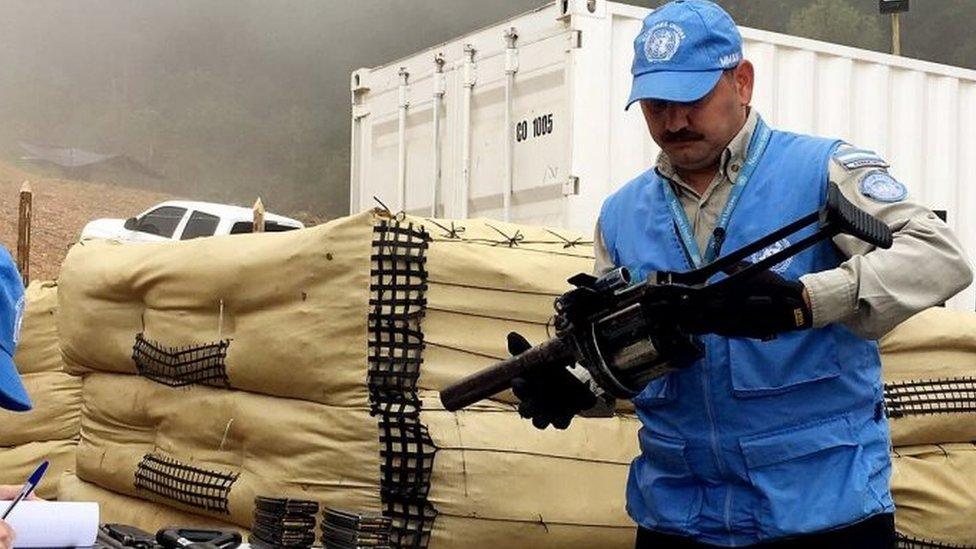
pixel 614 280
pixel 495 379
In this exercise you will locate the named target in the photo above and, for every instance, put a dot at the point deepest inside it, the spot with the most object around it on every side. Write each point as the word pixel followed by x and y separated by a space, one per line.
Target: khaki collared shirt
pixel 873 290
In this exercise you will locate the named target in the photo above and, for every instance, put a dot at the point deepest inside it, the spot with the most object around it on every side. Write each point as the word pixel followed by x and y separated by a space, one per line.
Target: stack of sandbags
pixel 930 399
pixel 50 430
pixel 306 365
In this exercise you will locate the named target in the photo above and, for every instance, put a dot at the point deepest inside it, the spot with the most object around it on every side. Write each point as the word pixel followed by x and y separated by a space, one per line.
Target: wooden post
pixel 258 216
pixel 24 231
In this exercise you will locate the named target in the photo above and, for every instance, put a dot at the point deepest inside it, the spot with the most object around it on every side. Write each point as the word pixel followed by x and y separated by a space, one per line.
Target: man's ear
pixel 745 75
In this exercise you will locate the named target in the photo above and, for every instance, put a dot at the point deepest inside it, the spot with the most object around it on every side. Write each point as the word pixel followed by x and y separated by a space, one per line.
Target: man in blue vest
pixel 13 396
pixel 784 442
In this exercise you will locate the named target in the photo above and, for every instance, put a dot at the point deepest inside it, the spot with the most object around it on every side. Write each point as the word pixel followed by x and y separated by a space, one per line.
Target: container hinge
pixel 591 8
pixel 511 52
pixel 359 82
pixel 574 40
pixel 571 186
pixel 440 86
pixel 360 111
pixel 402 88
pixel 469 68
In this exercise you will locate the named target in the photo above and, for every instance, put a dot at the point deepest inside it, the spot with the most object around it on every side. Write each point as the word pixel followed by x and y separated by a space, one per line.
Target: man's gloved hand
pixel 551 396
pixel 762 307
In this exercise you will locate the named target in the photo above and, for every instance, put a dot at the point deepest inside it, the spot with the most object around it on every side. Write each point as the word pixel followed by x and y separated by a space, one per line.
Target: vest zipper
pixel 728 515
pixel 713 434
pixel 706 390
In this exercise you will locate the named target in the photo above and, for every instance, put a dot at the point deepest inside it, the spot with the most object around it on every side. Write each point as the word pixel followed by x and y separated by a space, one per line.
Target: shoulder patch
pixel 879 186
pixel 854 158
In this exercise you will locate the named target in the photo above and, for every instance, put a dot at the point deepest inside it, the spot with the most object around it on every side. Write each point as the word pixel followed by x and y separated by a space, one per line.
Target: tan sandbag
pixel 274 313
pixel 119 509
pixel 483 285
pixel 935 494
pixel 38 350
pixel 930 378
pixel 492 467
pixel 50 430
pixel 935 343
pixel 18 462
pixel 55 395
pixel 56 412
pixel 141 439
pixel 462 532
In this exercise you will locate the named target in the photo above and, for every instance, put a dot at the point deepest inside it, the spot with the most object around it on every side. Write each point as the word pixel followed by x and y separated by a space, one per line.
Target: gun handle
pixel 854 221
pixel 495 379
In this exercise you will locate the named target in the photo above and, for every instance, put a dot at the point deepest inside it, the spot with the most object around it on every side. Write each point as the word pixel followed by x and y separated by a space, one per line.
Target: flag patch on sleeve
pixel 854 158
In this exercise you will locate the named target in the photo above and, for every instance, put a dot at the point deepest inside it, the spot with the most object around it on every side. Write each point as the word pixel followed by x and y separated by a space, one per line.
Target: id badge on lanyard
pixel 757 145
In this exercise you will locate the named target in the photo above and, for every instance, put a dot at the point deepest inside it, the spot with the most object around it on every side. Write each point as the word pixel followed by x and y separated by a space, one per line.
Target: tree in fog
pixel 837 21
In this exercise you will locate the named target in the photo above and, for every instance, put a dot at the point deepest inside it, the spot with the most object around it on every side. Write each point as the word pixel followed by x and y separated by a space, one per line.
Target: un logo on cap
pixel 661 41
pixel 21 305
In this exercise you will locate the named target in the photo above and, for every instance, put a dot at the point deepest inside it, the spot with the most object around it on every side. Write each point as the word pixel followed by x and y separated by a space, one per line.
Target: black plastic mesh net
pixel 908 542
pixel 397 306
pixel 938 396
pixel 170 479
pixel 408 455
pixel 181 366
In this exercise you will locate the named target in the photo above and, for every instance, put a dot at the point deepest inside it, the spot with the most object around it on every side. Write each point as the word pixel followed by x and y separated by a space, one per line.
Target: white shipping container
pixel 524 120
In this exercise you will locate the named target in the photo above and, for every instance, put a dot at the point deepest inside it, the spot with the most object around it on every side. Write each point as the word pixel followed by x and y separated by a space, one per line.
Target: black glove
pixel 761 307
pixel 548 396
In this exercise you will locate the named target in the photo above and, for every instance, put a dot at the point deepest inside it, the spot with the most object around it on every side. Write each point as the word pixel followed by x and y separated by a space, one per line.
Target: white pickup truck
pixel 183 220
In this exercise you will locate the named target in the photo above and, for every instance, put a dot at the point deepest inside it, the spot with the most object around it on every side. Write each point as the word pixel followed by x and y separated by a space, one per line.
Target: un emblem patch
pixel 770 250
pixel 661 41
pixel 879 186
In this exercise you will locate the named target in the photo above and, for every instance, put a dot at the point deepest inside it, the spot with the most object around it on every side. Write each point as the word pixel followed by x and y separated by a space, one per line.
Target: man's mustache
pixel 682 136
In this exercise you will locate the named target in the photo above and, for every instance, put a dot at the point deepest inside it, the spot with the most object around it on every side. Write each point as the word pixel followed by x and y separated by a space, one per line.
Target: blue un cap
pixel 682 50
pixel 13 396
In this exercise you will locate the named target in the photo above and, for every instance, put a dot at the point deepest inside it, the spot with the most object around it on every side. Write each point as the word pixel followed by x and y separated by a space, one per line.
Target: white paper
pixel 53 523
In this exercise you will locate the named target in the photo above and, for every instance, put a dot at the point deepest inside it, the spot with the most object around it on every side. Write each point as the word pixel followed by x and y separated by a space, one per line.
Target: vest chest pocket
pixel 761 368
pixel 810 477
pixel 670 493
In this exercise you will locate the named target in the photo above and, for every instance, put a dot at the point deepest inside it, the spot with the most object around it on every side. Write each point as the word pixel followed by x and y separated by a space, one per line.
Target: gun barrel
pixel 495 379
pixel 613 281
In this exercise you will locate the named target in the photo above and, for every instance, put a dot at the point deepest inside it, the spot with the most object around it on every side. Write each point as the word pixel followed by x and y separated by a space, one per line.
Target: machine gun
pixel 625 334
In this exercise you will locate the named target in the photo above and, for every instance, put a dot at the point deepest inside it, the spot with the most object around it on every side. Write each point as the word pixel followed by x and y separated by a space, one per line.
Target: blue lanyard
pixel 757 145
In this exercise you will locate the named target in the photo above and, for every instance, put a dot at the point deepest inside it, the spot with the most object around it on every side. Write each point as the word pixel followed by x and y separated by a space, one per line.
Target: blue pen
pixel 29 486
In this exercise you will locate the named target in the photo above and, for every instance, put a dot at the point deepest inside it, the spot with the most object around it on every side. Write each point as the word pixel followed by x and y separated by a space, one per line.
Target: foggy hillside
pixel 231 99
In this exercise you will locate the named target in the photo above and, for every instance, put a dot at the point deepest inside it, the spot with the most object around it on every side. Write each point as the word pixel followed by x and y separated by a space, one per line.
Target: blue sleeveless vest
pixel 757 440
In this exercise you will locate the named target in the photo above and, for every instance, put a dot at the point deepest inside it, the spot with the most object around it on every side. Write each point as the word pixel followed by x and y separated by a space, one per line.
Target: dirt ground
pixel 61 208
